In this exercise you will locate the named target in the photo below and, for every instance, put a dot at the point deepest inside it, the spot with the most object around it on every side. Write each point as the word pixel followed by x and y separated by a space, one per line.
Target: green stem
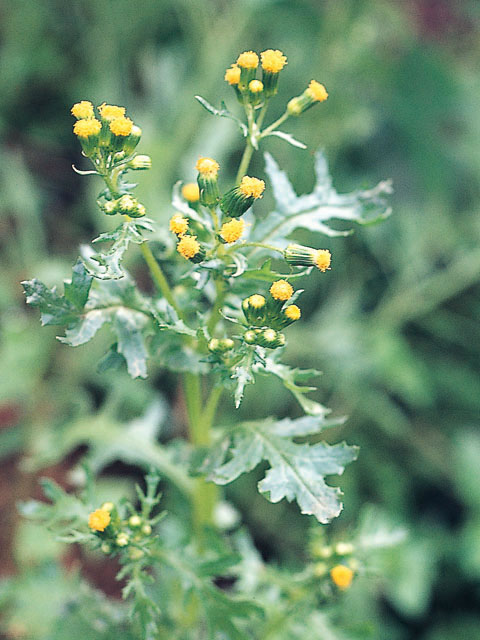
pixel 215 313
pixel 159 277
pixel 275 124
pixel 261 245
pixel 244 162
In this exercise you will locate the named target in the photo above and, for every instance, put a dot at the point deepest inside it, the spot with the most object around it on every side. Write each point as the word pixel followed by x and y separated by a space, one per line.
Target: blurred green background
pixel 394 325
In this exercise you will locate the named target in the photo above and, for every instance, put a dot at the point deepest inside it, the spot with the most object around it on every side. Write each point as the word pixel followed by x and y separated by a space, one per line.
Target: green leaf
pixel 128 325
pixel 110 261
pixel 290 377
pixel 267 274
pixel 77 290
pixel 223 113
pixel 288 138
pixel 56 309
pixel 296 471
pixel 313 211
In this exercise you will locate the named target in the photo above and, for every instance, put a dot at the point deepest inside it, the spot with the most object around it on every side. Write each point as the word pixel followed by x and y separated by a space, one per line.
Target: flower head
pixel 256 301
pixel 232 74
pixel 232 231
pixel 99 520
pixel 188 247
pixel 207 167
pixel 255 86
pixel 317 91
pixel 248 60
pixel 323 258
pixel 281 290
pixel 87 128
pixel 111 111
pixel 83 109
pixel 273 60
pixel 252 187
pixel 293 312
pixel 191 192
pixel 342 576
pixel 121 126
pixel 178 224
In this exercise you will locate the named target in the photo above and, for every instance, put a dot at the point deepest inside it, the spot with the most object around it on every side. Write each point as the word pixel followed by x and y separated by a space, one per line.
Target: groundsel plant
pixel 225 296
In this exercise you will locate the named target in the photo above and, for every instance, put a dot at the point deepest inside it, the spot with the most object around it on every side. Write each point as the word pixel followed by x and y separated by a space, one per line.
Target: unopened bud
pixel 140 163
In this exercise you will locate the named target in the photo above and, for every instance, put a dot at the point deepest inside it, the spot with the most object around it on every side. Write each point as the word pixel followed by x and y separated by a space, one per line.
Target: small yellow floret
pixel 281 290
pixel 342 576
pixel 121 126
pixel 255 86
pixel 87 128
pixel 111 111
pixel 188 247
pixel 248 60
pixel 232 231
pixel 273 60
pixel 99 520
pixel 317 91
pixel 83 109
pixel 323 258
pixel 207 167
pixel 178 224
pixel 232 74
pixel 256 301
pixel 252 187
pixel 293 312
pixel 191 192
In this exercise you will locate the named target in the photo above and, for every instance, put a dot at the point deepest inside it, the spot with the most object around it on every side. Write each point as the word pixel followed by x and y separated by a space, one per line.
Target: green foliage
pixel 296 470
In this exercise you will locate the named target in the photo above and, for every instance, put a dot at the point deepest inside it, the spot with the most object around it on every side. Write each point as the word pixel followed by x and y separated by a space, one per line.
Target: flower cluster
pixel 335 562
pixel 115 532
pixel 242 75
pixel 109 139
pixel 265 317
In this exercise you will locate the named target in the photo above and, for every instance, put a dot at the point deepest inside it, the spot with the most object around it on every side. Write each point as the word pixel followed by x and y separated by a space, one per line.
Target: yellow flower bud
pixel 232 75
pixel 178 224
pixel 281 290
pixel 191 192
pixel 82 110
pixel 232 231
pixel 273 60
pixel 99 520
pixel 342 576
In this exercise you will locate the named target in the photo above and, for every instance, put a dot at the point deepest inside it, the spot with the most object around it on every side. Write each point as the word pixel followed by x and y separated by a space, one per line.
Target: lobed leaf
pixel 296 472
pixel 313 211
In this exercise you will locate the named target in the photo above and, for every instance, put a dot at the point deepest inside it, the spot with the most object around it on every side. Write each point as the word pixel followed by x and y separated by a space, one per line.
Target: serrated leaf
pixel 288 138
pixel 56 309
pixel 77 290
pixel 128 326
pixel 296 471
pixel 290 377
pixel 223 113
pixel 110 261
pixel 313 211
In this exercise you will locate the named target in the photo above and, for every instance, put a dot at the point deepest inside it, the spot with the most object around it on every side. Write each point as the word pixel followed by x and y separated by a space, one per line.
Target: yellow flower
pixel 281 290
pixel 255 86
pixel 178 224
pixel 256 301
pixel 111 111
pixel 188 247
pixel 121 126
pixel 252 187
pixel 273 60
pixel 317 91
pixel 99 520
pixel 342 576
pixel 83 109
pixel 293 312
pixel 232 74
pixel 207 167
pixel 191 192
pixel 232 231
pixel 248 60
pixel 87 128
pixel 323 257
